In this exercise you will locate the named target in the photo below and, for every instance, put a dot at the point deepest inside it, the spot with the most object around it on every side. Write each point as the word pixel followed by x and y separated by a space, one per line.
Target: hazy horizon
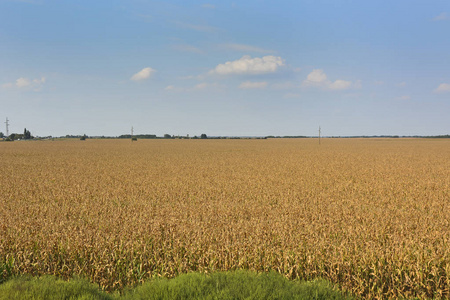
pixel 225 68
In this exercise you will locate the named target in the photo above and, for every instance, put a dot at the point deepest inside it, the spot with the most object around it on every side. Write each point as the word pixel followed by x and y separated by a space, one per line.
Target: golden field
pixel 371 215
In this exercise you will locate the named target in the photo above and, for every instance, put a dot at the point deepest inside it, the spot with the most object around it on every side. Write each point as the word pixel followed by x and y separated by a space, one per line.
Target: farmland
pixel 371 215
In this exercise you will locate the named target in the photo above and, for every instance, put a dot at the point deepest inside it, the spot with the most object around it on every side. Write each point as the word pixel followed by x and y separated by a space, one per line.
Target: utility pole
pixel 132 133
pixel 7 127
pixel 319 135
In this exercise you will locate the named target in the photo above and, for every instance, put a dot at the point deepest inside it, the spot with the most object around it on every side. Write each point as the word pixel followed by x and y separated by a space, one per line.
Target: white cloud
pixel 23 82
pixel 443 88
pixel 318 78
pixel 38 83
pixel 441 17
pixel 169 88
pixel 253 85
pixel 401 84
pixel 340 85
pixel 246 48
pixel 404 98
pixel 248 65
pixel 26 83
pixel 143 74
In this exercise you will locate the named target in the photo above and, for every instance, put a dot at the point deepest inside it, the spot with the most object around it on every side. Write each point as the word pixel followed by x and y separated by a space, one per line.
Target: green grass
pixel 221 285
pixel 49 287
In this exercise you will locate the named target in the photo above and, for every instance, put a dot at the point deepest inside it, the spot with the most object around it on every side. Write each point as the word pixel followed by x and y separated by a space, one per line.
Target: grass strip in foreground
pixel 221 285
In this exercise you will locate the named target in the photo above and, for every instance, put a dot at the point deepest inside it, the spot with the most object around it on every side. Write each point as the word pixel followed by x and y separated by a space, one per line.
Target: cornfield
pixel 370 215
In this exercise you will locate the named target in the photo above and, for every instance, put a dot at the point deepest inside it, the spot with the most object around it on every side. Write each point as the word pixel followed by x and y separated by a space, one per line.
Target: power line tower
pixel 132 133
pixel 7 127
pixel 319 135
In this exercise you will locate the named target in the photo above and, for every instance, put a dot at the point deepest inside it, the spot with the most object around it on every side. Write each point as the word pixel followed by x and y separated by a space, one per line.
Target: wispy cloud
pixel 26 83
pixel 245 48
pixel 284 85
pixel 404 98
pixel 201 86
pixel 29 1
pixel 291 95
pixel 204 86
pixel 253 85
pixel 196 88
pixel 190 77
pixel 143 74
pixel 357 84
pixel 208 5
pixel 188 48
pixel 201 28
pixel 249 65
pixel 441 17
pixel 145 18
pixel 378 82
pixel 7 85
pixel 443 88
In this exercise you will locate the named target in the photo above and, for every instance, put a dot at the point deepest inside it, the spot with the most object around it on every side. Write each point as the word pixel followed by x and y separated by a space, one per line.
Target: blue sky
pixel 225 68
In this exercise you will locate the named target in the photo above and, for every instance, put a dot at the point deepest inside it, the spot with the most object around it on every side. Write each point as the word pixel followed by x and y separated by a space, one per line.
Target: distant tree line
pixel 165 136
pixel 69 136
pixel 139 136
pixel 287 137
pixel 446 136
pixel 396 136
pixel 26 135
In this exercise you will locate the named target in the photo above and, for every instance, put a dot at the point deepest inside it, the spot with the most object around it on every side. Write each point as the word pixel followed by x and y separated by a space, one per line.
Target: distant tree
pixel 167 136
pixel 203 136
pixel 12 136
pixel 1 135
pixel 26 134
pixel 83 138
